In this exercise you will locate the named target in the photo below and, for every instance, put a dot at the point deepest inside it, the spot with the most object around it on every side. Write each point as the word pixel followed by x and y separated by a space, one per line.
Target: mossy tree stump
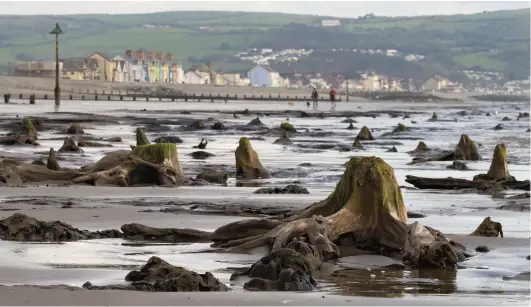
pixel 248 164
pixel 498 171
pixel 286 126
pixel 364 134
pixel 400 128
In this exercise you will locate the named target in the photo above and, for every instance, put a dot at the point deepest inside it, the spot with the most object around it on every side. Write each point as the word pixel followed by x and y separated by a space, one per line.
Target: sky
pixel 326 8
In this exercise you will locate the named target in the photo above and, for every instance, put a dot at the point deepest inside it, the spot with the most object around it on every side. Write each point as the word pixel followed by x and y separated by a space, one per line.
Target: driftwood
pixel 460 184
pixel 497 177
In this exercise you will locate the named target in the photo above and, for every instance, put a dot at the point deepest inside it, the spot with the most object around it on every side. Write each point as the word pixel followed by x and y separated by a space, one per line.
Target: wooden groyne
pixel 103 96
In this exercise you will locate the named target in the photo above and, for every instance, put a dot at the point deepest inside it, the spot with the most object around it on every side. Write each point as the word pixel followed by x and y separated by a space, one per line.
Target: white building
pixel 264 76
pixel 330 23
pixel 121 72
pixel 193 77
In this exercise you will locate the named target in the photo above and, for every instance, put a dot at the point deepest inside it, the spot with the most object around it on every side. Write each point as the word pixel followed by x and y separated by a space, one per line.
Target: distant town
pixel 148 67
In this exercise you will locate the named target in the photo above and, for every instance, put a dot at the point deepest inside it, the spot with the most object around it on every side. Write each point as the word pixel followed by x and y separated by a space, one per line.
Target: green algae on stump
pixel 286 126
pixel 29 128
pixel 498 171
pixel 400 128
pixel 75 129
pixel 141 138
pixel 248 165
pixel 367 200
pixel 365 134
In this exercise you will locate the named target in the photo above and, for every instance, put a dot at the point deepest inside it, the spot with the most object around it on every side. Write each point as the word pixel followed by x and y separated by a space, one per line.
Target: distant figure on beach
pixel 315 96
pixel 333 98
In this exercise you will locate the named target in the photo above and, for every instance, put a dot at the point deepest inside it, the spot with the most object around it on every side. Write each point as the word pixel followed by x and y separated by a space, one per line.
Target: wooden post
pixel 121 97
pixel 173 99
pixel 160 98
pixel 147 98
pixel 96 97
pixel 6 98
pixel 82 97
pixel 45 96
pixel 32 99
pixel 20 96
pixel 134 98
pixel 70 96
pixel 109 97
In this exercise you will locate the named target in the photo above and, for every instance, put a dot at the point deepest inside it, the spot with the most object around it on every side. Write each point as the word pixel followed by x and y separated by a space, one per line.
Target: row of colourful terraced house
pixel 138 67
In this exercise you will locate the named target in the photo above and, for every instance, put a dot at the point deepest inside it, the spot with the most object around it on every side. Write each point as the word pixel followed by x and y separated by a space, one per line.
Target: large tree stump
pixel 248 165
pixel 367 203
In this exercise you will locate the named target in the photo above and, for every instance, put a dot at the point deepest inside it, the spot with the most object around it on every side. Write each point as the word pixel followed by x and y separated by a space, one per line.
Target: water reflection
pixel 392 283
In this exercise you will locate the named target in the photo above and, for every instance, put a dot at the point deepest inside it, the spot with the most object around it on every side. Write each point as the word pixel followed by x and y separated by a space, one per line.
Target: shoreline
pixel 28 86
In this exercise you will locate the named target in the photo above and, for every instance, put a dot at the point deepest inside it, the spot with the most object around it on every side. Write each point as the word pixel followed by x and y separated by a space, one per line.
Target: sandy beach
pixel 53 273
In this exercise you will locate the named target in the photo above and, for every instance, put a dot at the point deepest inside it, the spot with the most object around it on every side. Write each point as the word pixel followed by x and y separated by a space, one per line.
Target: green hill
pixel 497 41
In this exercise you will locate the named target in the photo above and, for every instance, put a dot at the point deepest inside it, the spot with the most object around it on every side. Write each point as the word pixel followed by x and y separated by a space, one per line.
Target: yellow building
pixel 436 83
pixel 80 69
pixel 106 66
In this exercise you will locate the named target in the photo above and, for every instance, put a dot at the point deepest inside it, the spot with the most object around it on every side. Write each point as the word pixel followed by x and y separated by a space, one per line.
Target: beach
pixel 53 273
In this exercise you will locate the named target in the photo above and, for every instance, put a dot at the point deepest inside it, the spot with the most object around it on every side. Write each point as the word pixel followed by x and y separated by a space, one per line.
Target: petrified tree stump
pixel 141 138
pixel 248 165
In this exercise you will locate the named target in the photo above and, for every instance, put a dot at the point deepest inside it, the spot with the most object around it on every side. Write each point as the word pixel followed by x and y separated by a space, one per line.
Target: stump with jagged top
pixel 52 161
pixel 155 164
pixel 141 138
pixel 466 150
pixel 488 228
pixel 498 171
pixel 248 164
pixel 364 134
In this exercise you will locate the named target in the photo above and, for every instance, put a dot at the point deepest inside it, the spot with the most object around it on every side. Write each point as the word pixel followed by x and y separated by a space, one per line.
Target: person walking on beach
pixel 333 98
pixel 315 96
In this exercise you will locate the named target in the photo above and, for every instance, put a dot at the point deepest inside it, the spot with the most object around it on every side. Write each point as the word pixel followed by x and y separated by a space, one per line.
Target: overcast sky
pixel 329 8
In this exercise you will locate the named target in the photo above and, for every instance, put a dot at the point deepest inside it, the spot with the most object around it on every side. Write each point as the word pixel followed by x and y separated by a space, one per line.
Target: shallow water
pixel 448 211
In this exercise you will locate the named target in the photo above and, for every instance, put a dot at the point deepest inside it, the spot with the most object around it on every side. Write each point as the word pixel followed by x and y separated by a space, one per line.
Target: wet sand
pixel 478 281
pixel 30 296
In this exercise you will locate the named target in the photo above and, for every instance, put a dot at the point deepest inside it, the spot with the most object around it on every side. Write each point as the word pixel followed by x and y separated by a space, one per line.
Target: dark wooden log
pixel 459 184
